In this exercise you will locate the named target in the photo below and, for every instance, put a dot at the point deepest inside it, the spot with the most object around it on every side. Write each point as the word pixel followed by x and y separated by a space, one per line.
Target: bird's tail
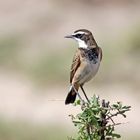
pixel 71 95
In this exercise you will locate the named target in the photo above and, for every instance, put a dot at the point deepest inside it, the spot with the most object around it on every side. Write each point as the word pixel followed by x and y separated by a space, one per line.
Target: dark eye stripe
pixel 78 35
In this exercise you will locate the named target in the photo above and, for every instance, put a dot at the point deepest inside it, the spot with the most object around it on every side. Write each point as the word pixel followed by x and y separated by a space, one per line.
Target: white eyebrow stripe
pixel 80 32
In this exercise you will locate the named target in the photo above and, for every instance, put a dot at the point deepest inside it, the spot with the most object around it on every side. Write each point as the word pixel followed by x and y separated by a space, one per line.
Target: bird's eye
pixel 78 35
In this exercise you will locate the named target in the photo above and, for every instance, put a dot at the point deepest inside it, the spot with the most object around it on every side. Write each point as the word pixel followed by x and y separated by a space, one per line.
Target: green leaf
pixel 115 105
pixel 77 102
pixel 114 135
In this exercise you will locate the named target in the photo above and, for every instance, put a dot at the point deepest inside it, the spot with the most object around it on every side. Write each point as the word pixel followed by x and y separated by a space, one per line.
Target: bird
pixel 85 64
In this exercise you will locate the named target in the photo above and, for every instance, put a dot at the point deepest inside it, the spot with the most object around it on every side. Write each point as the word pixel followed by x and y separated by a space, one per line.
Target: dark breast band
pixel 90 54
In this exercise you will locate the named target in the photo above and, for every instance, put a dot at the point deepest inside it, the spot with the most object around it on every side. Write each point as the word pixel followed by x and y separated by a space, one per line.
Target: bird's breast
pixel 89 65
pixel 90 70
pixel 93 67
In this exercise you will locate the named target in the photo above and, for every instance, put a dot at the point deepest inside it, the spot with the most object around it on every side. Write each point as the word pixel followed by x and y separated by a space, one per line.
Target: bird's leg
pixel 79 96
pixel 84 93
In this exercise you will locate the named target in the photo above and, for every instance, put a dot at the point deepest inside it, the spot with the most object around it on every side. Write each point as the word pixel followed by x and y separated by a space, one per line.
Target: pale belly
pixel 89 72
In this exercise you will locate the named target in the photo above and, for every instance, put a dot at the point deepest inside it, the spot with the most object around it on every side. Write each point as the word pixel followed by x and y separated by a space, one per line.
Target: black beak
pixel 69 36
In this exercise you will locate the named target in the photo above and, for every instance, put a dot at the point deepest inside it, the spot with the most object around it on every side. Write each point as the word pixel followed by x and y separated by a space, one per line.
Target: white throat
pixel 82 43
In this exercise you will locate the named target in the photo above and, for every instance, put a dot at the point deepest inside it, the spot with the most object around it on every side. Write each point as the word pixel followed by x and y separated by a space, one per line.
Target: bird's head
pixel 84 38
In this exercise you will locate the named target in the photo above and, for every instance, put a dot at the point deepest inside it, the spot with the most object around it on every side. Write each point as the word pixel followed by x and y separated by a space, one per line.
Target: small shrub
pixel 95 122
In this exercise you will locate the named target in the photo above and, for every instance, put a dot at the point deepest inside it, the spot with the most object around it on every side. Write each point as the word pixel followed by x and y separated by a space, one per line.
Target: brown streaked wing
pixel 75 64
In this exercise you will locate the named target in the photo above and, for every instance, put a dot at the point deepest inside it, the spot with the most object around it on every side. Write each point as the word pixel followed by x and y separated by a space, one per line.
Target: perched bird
pixel 85 63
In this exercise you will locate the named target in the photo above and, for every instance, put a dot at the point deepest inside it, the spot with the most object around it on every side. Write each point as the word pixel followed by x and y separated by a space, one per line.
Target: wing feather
pixel 75 64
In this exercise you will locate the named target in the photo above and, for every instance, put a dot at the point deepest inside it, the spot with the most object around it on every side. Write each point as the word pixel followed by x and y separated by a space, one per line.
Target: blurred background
pixel 35 62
